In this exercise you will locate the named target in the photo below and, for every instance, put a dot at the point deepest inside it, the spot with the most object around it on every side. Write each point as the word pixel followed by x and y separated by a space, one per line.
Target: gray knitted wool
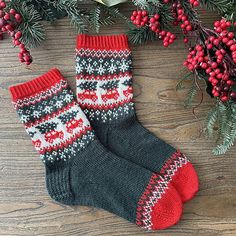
pixel 105 93
pixel 79 170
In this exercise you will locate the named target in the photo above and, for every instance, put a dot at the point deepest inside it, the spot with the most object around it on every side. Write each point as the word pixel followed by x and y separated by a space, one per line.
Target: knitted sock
pixel 79 170
pixel 104 91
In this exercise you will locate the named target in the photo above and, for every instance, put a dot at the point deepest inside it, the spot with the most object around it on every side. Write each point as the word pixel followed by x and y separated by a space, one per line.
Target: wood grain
pixel 26 208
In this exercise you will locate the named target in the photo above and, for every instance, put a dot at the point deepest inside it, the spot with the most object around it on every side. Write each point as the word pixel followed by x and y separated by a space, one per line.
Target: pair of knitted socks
pixel 96 153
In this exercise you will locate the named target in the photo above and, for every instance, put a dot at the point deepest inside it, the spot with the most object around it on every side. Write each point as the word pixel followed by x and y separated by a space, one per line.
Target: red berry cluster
pixel 181 17
pixel 225 36
pixel 167 37
pixel 215 59
pixel 195 3
pixel 8 24
pixel 140 18
pixel 154 23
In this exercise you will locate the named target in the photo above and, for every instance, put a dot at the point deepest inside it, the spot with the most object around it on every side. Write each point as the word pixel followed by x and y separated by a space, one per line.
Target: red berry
pixel 144 13
pixel 216 42
pixel 186 40
pixel 209 46
pixel 224 98
pixel 18 17
pixel 189 28
pixel 230 35
pixel 233 95
pixel 2 5
pixel 214 65
pixel 233 47
pixel 12 11
pixel 17 42
pixel 7 16
pixel 9 27
pixel 156 16
pixel 152 20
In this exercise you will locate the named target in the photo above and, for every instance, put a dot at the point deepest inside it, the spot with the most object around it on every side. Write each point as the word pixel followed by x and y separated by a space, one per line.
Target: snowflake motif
pixel 75 144
pixel 100 60
pixel 89 69
pixel 20 112
pixel 89 59
pixel 100 70
pixel 63 156
pixel 24 118
pixel 95 63
pixel 79 68
pixel 73 151
pixel 112 60
pixel 59 104
pixel 32 107
pixel 28 112
pixel 81 144
pixel 109 112
pixel 51 103
pixel 123 67
pixel 115 115
pixel 91 115
pixel 36 114
pixel 104 116
pixel 48 109
pixel 112 68
pixel 68 97
pixel 83 62
pixel 126 108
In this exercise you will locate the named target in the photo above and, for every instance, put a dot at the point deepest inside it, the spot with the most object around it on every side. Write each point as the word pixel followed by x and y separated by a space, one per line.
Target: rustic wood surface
pixel 26 208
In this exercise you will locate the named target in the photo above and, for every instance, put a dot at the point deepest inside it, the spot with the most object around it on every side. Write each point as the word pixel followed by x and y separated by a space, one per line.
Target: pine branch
pixel 211 121
pixel 141 3
pixel 188 9
pixel 115 13
pixel 141 35
pixel 218 5
pixel 33 32
pixel 190 96
pixel 180 85
pixel 95 14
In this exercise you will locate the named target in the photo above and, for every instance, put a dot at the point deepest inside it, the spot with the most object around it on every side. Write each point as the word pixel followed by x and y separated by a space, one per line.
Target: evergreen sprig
pixel 221 123
pixel 218 5
pixel 33 32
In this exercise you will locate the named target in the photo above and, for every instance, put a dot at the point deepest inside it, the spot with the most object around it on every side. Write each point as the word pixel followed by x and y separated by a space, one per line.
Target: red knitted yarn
pixel 115 42
pixel 36 85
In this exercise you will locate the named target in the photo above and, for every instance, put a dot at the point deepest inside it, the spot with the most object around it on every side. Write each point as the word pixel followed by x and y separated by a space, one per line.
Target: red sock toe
pixel 182 175
pixel 160 206
pixel 186 182
pixel 167 211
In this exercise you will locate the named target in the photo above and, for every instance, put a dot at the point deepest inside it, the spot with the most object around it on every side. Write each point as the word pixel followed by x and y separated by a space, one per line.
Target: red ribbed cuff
pixel 115 42
pixel 36 85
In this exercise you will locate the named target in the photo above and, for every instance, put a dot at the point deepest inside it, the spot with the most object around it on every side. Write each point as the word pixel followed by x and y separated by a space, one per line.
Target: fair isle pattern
pixel 154 191
pixel 43 95
pixel 104 115
pixel 104 83
pixel 56 124
pixel 173 164
pixel 102 53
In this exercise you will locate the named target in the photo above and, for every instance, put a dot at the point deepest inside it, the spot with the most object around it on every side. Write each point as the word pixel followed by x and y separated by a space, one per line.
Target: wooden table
pixel 25 206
